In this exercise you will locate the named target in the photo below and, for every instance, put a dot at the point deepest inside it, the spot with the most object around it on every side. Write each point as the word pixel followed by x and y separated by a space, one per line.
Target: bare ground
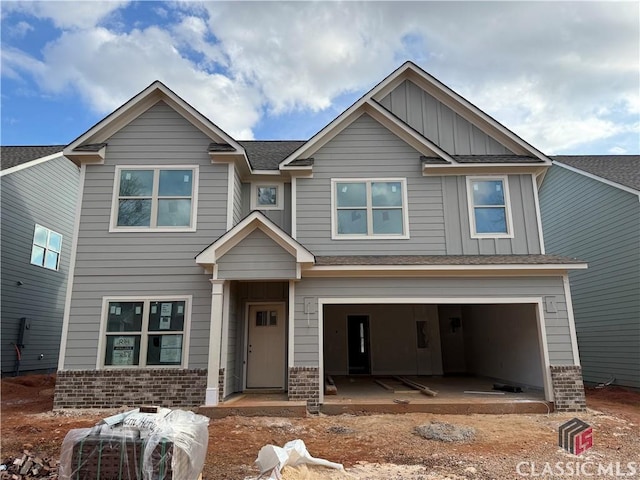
pixel 370 447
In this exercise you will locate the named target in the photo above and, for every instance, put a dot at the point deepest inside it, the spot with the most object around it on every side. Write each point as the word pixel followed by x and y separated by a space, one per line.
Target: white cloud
pixel 67 14
pixel 20 29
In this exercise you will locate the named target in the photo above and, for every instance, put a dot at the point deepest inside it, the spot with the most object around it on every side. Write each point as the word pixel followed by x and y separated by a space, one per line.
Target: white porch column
pixel 215 340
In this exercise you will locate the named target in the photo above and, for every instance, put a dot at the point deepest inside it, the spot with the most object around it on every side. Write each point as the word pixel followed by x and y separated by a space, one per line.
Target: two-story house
pixel 402 239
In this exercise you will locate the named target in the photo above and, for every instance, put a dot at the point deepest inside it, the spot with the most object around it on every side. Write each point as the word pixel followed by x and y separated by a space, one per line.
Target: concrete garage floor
pixel 361 395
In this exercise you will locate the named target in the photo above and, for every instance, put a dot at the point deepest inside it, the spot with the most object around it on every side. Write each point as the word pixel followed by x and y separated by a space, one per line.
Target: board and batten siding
pixel 306 325
pixel 282 217
pixel 257 257
pixel 45 194
pixel 366 149
pixel 237 196
pixel 526 239
pixel 439 123
pixel 599 224
pixel 147 263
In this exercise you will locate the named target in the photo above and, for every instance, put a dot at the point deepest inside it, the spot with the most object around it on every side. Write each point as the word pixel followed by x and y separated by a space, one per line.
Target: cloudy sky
pixel 564 76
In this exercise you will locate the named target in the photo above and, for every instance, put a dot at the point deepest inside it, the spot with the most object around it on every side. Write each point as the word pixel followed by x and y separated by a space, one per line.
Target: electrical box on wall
pixel 550 304
pixel 309 305
pixel 24 333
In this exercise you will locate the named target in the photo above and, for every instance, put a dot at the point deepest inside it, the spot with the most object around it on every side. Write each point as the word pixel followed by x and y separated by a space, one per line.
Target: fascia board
pixel 483 169
pixel 30 163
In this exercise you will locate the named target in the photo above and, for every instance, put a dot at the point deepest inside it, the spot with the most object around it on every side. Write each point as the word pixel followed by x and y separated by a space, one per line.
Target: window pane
pixel 122 350
pixel 136 183
pixel 40 236
pixel 352 221
pixel 351 194
pixel 386 194
pixel 164 350
pixel 51 260
pixel 267 196
pixel 134 213
pixel 488 192
pixel 387 220
pixel 174 212
pixel 55 241
pixel 124 317
pixel 175 183
pixel 491 220
pixel 37 255
pixel 166 316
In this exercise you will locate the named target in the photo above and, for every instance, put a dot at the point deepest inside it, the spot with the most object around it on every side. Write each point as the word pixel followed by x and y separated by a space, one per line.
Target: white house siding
pixel 149 263
pixel 599 224
pixel 306 325
pixel 44 194
pixel 366 149
pixel 523 212
pixel 439 123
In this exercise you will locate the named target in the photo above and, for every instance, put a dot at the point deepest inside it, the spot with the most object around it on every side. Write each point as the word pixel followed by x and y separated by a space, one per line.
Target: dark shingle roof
pixel 622 169
pixel 446 260
pixel 17 155
pixel 267 155
pixel 90 147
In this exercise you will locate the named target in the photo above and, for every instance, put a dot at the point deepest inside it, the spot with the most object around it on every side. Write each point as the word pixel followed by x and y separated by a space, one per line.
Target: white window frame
pixel 46 248
pixel 144 332
pixel 113 222
pixel 279 186
pixel 370 235
pixel 507 206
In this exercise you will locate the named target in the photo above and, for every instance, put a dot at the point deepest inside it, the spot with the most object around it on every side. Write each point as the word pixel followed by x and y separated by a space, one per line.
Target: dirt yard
pixel 370 447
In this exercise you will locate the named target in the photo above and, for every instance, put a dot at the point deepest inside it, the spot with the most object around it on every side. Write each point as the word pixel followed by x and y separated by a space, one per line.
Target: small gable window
pixel 267 196
pixel 489 211
pixel 369 208
pixel 155 198
pixel 46 248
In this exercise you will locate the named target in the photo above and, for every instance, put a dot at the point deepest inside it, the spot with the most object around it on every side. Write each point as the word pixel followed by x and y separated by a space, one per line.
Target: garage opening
pixel 454 348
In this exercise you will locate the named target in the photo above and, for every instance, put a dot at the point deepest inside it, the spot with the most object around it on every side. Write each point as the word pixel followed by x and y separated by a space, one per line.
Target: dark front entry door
pixel 358 339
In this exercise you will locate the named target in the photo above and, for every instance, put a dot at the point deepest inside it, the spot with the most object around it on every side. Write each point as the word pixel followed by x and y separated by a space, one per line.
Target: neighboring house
pixel 39 190
pixel 591 210
pixel 403 238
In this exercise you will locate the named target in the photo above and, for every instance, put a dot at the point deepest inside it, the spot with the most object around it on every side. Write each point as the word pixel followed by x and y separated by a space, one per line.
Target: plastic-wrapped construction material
pixel 169 446
pixel 272 459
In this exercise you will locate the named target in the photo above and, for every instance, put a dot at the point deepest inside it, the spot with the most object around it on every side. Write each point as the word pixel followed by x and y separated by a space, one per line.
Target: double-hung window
pixel 160 198
pixel 489 212
pixel 145 332
pixel 369 208
pixel 46 248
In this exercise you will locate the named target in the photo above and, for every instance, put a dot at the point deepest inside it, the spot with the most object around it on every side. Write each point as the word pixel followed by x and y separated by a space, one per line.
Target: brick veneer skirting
pixel 221 384
pixel 304 384
pixel 568 388
pixel 166 387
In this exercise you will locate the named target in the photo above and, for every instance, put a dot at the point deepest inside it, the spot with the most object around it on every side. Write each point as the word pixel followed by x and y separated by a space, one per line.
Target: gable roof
pixel 409 71
pixel 12 156
pixel 90 145
pixel 621 169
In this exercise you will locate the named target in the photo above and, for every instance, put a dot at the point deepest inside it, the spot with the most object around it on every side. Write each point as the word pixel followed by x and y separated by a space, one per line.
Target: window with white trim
pixel 145 332
pixel 46 248
pixel 267 196
pixel 489 211
pixel 158 198
pixel 375 208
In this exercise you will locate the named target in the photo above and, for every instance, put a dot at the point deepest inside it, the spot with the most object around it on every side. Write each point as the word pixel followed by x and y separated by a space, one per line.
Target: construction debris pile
pixel 28 467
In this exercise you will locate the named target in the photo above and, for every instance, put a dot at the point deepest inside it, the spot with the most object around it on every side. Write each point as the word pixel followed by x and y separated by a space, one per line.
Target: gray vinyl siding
pixel 44 194
pixel 257 257
pixel 599 224
pixel 306 325
pixel 237 197
pixel 282 217
pixel 439 123
pixel 458 232
pixel 366 149
pixel 149 263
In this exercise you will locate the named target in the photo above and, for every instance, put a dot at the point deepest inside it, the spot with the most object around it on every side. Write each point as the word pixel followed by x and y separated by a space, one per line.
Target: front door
pixel 266 346
pixel 358 341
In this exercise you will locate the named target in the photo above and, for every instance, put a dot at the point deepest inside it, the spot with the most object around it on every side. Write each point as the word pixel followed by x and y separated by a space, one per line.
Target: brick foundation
pixel 166 387
pixel 304 384
pixel 220 384
pixel 568 389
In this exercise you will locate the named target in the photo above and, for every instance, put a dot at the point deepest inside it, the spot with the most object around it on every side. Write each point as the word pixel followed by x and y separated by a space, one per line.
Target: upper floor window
pixel 267 196
pixel 369 208
pixel 46 248
pixel 155 198
pixel 489 210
